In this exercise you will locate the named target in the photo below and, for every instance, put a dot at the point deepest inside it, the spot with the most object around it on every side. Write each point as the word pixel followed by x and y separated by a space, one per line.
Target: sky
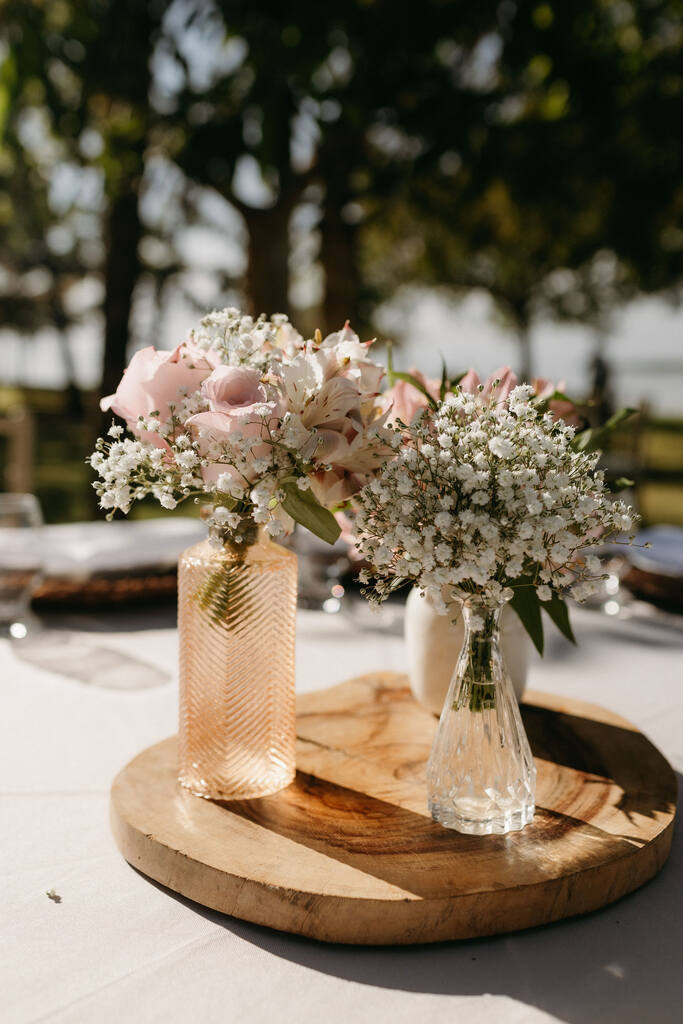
pixel 643 348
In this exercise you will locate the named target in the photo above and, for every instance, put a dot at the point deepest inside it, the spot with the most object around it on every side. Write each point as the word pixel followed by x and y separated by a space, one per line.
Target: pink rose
pixel 209 356
pixel 406 400
pixel 238 402
pixel 216 428
pixel 151 382
pixel 234 390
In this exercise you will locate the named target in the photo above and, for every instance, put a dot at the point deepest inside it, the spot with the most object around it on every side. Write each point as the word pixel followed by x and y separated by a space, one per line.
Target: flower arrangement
pixel 490 497
pixel 412 394
pixel 267 426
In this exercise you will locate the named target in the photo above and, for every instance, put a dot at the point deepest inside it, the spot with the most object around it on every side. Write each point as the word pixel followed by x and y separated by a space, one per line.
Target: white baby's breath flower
pixel 502 447
pixel 465 523
pixel 593 564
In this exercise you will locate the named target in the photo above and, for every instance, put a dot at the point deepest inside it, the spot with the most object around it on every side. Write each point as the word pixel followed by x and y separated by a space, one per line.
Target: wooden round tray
pixel 348 852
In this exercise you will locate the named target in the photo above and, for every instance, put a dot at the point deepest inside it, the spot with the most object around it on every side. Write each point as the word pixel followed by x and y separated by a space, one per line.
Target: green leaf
pixel 528 608
pixel 595 437
pixel 614 486
pixel 306 510
pixel 390 362
pixel 444 380
pixel 394 375
pixel 557 396
pixel 557 610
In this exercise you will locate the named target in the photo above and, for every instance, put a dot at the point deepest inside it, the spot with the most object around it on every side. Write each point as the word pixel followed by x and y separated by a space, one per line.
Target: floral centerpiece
pixel 264 428
pixel 488 499
pixel 268 427
pixel 412 393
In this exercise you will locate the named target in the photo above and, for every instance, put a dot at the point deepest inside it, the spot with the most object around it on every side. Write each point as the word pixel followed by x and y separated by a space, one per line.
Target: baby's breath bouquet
pixel 487 500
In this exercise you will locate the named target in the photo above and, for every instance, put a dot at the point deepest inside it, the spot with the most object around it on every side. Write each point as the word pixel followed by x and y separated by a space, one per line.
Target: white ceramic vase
pixel 433 644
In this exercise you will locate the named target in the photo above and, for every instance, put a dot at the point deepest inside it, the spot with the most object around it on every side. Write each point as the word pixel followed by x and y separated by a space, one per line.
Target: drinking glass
pixel 20 562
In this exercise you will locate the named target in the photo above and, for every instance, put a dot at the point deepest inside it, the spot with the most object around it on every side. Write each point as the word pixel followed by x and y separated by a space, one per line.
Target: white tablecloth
pixel 120 949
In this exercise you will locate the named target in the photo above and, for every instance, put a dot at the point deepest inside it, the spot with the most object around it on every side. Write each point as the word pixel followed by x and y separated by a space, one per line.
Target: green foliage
pixel 529 150
pixel 597 437
pixel 557 609
pixel 528 609
pixel 527 606
pixel 305 509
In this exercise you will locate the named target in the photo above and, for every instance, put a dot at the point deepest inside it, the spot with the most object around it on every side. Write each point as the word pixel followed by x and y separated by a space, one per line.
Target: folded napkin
pixel 80 550
pixel 665 556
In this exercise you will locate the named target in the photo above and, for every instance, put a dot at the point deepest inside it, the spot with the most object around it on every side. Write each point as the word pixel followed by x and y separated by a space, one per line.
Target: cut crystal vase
pixel 481 776
pixel 236 625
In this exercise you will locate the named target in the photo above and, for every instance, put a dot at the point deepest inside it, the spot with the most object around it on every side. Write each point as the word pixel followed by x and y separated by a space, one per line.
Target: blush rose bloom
pixel 150 384
pixel 238 402
pixel 405 400
pixel 234 390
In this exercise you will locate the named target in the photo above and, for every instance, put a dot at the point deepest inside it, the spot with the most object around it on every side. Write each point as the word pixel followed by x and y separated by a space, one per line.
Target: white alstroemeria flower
pixel 301 379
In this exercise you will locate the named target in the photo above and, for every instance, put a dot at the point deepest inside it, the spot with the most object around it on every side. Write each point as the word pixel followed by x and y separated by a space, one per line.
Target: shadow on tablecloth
pixel 617 965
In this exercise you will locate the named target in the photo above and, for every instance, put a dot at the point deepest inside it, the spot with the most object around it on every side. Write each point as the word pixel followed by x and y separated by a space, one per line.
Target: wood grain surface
pixel 349 853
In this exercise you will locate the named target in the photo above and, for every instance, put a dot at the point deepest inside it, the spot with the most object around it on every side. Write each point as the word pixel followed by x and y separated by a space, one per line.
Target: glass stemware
pixel 20 562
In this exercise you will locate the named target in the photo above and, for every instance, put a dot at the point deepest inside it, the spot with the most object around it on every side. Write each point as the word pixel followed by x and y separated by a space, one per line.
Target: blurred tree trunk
pixel 338 257
pixel 121 272
pixel 127 56
pixel 525 358
pixel 122 269
pixel 267 275
pixel 73 398
pixel 338 253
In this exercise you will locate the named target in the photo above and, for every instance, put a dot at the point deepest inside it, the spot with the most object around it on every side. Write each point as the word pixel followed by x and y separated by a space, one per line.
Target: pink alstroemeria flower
pixel 405 400
pixel 562 409
pixel 508 381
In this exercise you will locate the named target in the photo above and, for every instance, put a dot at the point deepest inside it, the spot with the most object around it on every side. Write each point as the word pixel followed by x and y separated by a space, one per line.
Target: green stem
pixel 222 594
pixel 480 689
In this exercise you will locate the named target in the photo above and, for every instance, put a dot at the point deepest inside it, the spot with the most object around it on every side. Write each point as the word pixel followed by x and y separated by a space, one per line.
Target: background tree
pixel 567 200
pixel 531 151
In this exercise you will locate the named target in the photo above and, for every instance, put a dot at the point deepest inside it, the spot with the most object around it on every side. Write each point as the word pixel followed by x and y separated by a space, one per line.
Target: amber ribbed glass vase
pixel 236 623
